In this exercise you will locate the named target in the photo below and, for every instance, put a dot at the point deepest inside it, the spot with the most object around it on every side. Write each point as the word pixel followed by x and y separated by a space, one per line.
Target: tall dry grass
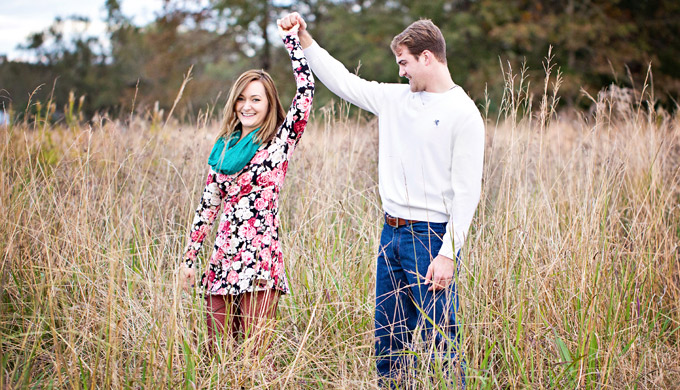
pixel 570 277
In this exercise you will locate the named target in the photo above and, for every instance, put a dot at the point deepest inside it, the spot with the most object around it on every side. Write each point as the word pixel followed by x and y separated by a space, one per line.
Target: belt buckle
pixel 391 221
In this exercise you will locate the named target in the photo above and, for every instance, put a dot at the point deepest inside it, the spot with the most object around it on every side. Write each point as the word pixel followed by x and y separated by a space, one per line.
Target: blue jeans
pixel 403 304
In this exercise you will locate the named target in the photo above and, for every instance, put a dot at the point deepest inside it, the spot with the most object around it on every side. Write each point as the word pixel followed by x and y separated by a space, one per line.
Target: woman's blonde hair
pixel 275 113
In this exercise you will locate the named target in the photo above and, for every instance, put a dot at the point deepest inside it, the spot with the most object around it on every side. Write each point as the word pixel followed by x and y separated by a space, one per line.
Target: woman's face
pixel 252 106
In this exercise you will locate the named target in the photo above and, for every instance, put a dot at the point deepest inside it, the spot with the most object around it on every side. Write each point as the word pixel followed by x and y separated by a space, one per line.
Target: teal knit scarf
pixel 236 155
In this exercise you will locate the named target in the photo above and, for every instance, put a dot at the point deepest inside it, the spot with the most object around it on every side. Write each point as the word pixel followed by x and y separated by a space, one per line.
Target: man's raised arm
pixel 367 95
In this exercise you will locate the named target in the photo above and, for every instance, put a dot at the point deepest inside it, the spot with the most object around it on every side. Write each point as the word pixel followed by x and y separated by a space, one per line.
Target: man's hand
pixel 292 19
pixel 187 277
pixel 440 273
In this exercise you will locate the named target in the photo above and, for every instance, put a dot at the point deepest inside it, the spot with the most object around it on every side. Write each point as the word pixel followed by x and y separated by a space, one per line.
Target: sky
pixel 20 18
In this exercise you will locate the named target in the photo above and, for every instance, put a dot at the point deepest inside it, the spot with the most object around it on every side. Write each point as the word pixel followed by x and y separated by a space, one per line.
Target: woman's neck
pixel 245 132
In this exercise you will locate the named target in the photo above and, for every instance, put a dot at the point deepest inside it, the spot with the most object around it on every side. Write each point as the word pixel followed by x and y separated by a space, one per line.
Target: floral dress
pixel 247 254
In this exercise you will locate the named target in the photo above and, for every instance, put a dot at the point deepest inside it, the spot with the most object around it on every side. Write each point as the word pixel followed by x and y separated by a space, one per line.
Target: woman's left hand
pixel 187 277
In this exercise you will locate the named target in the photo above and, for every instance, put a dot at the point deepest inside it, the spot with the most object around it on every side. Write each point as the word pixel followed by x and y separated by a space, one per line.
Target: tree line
pixel 595 43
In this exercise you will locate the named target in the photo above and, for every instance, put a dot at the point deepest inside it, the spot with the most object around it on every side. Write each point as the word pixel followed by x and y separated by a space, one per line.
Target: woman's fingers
pixel 187 277
pixel 287 22
pixel 297 19
pixel 286 28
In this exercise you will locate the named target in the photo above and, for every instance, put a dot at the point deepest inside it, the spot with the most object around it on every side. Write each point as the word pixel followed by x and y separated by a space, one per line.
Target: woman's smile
pixel 252 106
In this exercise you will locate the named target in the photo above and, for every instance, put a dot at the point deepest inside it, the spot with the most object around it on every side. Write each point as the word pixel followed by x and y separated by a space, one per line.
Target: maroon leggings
pixel 240 313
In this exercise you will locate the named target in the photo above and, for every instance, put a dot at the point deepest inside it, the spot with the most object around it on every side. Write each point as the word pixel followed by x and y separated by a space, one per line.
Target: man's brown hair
pixel 420 36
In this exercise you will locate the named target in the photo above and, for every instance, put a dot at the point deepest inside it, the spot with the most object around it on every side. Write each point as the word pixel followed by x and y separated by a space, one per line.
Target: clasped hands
pixel 290 24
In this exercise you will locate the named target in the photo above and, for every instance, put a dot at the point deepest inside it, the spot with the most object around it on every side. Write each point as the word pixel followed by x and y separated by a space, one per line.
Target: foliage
pixel 594 44
pixel 67 58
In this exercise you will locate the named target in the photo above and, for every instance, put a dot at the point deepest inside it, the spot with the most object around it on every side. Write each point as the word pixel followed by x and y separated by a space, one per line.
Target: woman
pixel 245 274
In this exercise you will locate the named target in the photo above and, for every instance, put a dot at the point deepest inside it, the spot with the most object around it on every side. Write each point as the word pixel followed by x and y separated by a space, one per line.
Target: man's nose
pixel 402 73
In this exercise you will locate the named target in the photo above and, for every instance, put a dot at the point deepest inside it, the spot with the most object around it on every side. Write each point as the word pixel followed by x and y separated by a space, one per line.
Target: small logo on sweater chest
pixel 436 122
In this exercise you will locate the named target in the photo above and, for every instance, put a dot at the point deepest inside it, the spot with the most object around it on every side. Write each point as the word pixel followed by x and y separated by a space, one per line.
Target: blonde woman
pixel 245 274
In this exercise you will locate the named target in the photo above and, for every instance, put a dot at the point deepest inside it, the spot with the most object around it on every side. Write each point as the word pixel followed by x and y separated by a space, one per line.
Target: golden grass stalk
pixel 570 276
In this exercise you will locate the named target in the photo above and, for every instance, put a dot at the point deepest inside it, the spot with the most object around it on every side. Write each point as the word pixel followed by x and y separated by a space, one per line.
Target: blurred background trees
pixel 595 43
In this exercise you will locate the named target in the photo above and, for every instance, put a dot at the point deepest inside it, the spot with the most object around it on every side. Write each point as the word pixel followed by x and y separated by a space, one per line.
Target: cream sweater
pixel 431 147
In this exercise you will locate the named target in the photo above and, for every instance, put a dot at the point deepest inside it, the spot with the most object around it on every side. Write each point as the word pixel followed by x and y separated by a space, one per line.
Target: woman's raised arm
pixel 296 119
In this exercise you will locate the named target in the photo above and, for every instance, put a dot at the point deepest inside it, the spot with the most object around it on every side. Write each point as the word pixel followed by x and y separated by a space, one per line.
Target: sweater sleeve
pixel 466 180
pixel 298 114
pixel 205 215
pixel 362 93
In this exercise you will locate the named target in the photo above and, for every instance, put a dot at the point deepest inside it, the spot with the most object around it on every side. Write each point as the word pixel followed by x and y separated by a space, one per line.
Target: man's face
pixel 411 68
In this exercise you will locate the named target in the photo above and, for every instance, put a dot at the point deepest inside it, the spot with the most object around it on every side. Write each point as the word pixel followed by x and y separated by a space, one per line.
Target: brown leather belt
pixel 396 221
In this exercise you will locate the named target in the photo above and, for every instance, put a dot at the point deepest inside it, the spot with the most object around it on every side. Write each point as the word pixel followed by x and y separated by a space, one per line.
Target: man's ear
pixel 427 57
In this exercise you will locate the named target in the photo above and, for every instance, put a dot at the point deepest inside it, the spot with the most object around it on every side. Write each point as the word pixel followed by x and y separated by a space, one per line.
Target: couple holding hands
pixel 431 152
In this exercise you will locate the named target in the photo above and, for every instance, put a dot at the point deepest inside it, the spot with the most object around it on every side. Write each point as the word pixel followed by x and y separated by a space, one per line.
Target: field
pixel 570 277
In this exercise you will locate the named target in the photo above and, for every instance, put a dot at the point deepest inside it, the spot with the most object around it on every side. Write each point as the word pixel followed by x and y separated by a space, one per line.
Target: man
pixel 431 152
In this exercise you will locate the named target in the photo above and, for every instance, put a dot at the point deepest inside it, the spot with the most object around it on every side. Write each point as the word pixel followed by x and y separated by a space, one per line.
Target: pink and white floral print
pixel 247 254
